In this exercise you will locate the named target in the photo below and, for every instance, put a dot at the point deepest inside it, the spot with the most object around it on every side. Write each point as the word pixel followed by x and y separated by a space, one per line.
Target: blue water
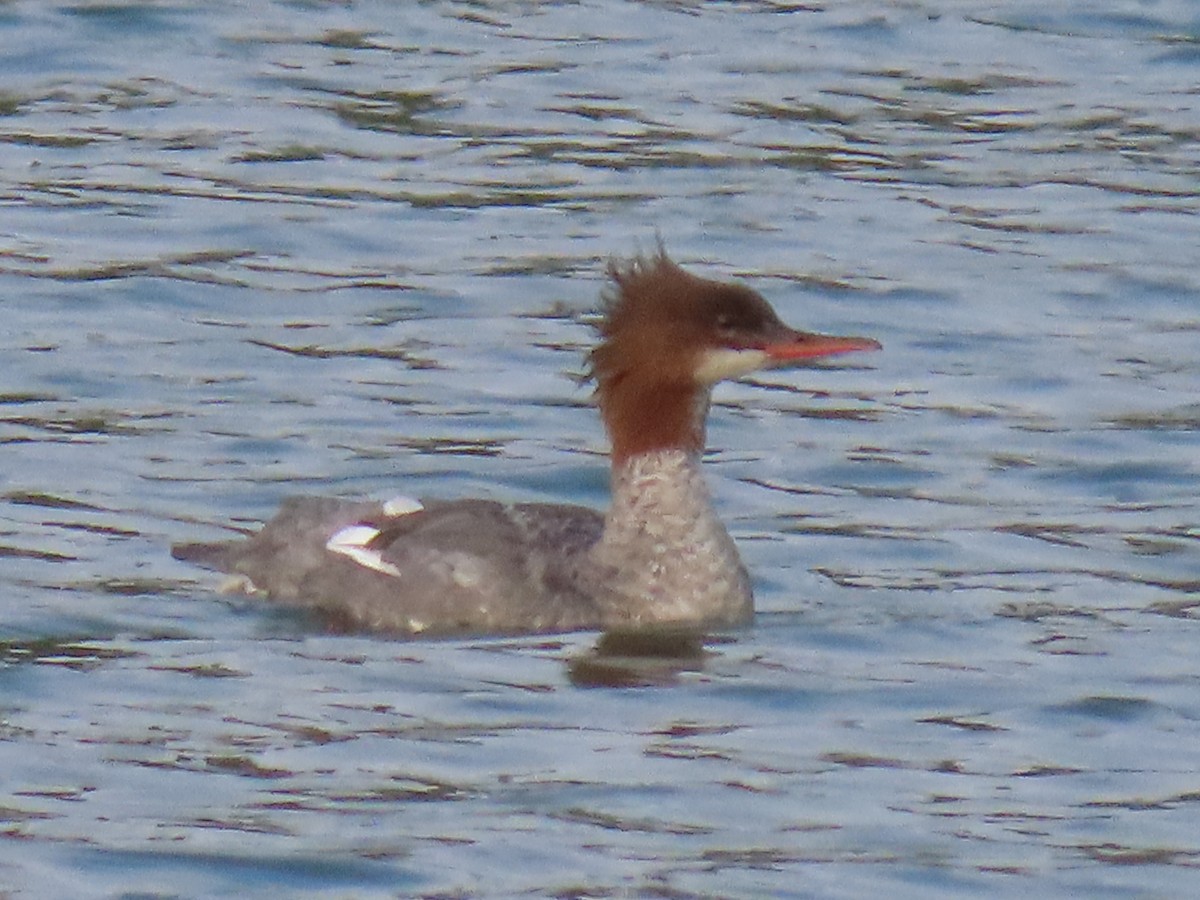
pixel 254 250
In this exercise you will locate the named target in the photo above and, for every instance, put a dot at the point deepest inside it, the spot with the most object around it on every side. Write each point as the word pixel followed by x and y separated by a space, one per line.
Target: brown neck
pixel 642 417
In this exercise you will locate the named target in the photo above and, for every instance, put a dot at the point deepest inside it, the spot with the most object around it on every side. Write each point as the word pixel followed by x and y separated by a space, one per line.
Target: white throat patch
pixel 723 363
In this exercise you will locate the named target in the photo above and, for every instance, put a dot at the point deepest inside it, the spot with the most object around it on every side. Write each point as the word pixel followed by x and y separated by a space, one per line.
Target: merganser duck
pixel 659 557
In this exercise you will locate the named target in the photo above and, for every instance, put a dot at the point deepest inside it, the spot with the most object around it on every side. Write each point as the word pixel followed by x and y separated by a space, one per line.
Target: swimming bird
pixel 659 556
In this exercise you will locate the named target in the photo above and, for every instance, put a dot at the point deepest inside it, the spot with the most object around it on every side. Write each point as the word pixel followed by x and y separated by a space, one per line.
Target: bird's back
pixel 439 567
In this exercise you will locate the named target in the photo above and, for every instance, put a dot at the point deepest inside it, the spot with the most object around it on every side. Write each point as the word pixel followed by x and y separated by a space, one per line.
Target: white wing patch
pixel 352 541
pixel 401 506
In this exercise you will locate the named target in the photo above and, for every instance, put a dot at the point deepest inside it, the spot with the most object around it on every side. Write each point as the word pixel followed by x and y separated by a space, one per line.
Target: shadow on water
pixel 639 658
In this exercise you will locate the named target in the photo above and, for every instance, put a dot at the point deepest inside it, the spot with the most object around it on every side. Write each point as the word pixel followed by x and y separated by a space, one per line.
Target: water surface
pixel 254 250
